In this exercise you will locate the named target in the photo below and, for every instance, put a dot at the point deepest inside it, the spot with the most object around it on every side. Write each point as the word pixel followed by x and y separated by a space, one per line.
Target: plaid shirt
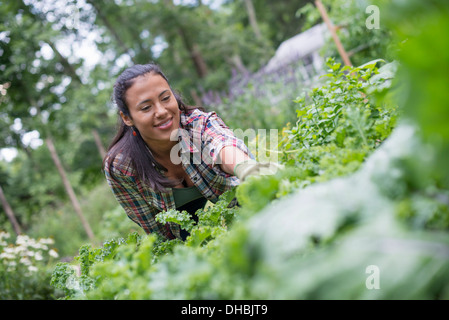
pixel 201 137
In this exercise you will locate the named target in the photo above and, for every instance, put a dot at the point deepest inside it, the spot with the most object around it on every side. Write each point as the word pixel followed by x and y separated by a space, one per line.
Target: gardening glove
pixel 247 168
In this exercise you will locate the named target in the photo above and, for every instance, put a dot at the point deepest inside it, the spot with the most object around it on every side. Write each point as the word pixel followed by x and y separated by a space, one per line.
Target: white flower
pixel 47 241
pixel 38 245
pixel 38 256
pixel 9 250
pixel 4 235
pixel 29 253
pixel 53 253
pixel 32 269
pixel 6 255
pixel 20 250
pixel 22 239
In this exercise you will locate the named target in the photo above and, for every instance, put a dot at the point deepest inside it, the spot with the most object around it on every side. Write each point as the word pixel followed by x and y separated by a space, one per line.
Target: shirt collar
pixel 188 142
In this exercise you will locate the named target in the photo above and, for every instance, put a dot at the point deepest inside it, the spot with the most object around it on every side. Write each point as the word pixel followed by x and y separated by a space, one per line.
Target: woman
pixel 167 155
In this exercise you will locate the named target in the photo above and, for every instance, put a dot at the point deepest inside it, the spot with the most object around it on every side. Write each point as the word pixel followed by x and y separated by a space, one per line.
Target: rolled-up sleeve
pixel 216 135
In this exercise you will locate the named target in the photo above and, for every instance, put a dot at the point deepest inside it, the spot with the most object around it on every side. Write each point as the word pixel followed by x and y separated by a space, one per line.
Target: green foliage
pixel 59 220
pixel 340 111
pixel 361 43
pixel 362 186
pixel 61 275
pixel 425 79
pixel 213 220
pixel 65 275
pixel 339 125
pixel 363 194
pixel 184 219
pixel 115 223
pixel 100 268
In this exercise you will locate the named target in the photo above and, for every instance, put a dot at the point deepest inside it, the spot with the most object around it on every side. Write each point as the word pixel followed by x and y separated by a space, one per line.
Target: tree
pixel 33 93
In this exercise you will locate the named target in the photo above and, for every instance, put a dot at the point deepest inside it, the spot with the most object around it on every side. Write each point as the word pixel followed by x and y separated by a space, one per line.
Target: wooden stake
pixel 10 213
pixel 332 29
pixel 68 187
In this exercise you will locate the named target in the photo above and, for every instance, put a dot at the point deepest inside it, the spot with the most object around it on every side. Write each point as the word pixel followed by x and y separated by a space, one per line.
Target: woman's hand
pixel 248 168
pixel 234 161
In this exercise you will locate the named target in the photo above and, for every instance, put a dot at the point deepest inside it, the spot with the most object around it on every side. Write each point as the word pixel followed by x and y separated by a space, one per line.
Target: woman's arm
pixel 223 149
pixel 229 156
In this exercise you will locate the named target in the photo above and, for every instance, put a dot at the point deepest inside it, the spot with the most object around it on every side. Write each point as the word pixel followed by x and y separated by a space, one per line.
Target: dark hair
pixel 131 147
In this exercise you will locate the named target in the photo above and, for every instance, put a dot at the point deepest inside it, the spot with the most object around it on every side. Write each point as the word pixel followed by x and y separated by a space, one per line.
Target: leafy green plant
pixel 340 110
pixel 339 125
pixel 74 280
pixel 212 220
pixel 99 267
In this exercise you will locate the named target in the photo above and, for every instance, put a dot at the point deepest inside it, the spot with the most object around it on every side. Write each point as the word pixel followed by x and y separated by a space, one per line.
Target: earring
pixel 134 132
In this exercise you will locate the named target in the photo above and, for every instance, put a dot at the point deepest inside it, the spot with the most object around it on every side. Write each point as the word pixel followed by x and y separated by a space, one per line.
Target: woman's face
pixel 153 108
